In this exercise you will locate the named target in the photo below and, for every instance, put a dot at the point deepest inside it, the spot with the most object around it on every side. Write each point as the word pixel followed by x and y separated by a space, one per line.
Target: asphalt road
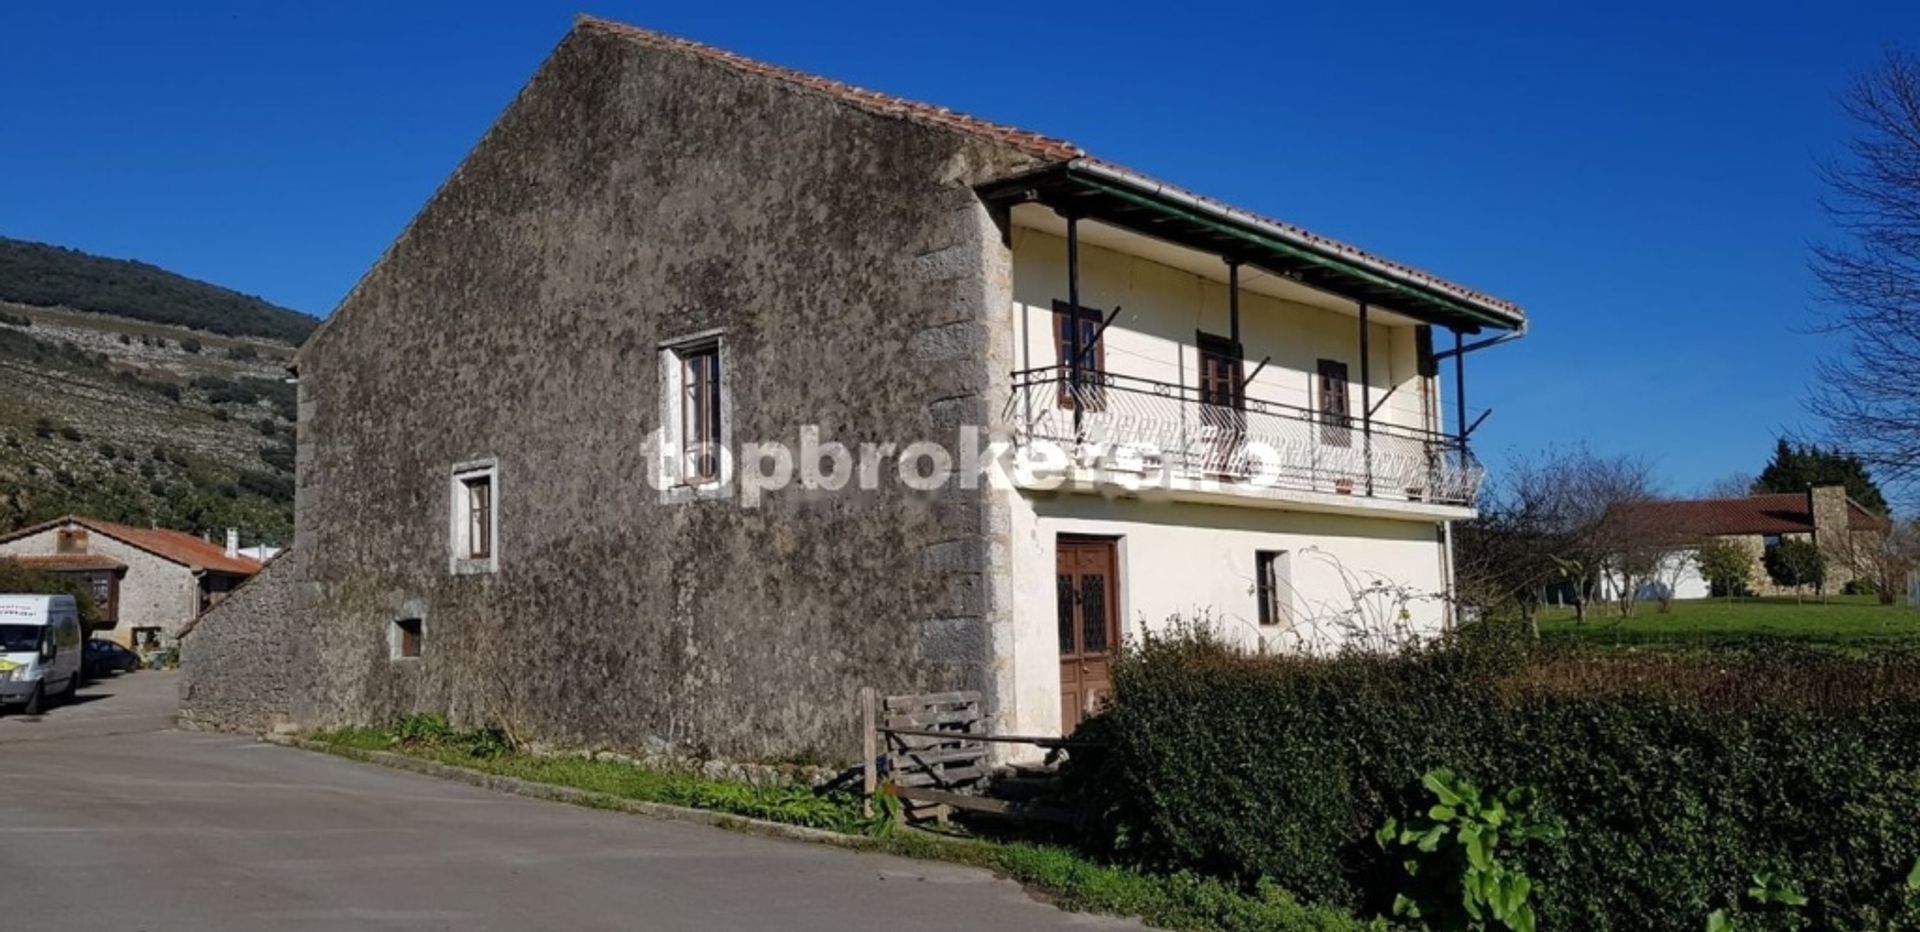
pixel 111 820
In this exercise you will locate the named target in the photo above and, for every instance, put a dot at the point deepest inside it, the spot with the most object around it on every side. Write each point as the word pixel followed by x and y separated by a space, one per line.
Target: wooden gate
pixel 932 751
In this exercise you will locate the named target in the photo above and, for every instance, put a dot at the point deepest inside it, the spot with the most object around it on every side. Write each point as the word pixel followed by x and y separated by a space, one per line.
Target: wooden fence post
pixel 869 779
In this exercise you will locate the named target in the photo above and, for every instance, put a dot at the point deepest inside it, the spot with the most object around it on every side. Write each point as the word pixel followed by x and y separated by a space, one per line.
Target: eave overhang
pixel 1094 190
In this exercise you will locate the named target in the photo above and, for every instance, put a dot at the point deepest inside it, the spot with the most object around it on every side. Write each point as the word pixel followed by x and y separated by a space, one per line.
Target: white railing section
pixel 1187 434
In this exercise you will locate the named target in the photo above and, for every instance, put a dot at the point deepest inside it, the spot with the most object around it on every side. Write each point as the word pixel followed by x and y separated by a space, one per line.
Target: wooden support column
pixel 1073 319
pixel 1460 395
pixel 1366 394
pixel 1233 304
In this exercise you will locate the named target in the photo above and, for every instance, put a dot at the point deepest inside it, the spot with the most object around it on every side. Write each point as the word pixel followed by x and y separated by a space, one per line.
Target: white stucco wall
pixel 1191 559
pixel 155 592
pixel 1162 307
pixel 1197 561
pixel 1681 570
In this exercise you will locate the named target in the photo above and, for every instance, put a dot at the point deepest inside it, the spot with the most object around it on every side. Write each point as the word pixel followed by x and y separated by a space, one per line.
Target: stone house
pixel 1028 404
pixel 1847 533
pixel 148 582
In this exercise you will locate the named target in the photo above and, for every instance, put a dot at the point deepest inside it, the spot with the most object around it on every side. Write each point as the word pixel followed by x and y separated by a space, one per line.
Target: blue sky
pixel 1639 176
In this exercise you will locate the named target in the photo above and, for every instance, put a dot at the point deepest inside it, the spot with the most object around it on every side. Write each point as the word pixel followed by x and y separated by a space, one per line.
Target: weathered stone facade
pixel 236 657
pixel 634 193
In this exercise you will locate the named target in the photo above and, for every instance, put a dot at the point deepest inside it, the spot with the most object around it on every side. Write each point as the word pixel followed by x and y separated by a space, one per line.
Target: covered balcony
pixel 1182 434
pixel 1325 392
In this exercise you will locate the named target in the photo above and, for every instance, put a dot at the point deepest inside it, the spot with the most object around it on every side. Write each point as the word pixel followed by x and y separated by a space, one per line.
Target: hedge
pixel 1677 778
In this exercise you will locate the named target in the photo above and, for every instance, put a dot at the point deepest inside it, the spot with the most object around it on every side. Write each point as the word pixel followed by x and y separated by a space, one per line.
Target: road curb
pixel 578 797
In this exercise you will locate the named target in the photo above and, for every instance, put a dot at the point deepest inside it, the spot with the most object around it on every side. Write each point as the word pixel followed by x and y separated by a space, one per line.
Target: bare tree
pixel 1732 485
pixel 1870 275
pixel 1565 519
pixel 1885 559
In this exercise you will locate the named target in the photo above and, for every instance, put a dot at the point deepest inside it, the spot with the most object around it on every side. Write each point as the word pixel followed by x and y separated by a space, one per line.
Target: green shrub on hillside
pixel 40 274
pixel 1676 778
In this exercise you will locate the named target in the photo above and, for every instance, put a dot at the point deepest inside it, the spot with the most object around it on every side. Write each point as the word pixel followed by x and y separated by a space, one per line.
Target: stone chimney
pixel 233 542
pixel 1828 506
pixel 1831 517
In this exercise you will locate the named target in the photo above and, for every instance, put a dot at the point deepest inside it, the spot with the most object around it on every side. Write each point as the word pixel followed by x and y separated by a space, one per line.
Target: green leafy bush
pixel 1677 778
pixel 1455 877
pixel 1797 563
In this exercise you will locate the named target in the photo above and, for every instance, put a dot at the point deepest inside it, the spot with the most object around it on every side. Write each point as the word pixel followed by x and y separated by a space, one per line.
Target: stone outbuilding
pixel 1847 533
pixel 148 582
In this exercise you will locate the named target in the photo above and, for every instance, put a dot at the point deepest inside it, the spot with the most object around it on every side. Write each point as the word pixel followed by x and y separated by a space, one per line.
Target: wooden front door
pixel 1089 625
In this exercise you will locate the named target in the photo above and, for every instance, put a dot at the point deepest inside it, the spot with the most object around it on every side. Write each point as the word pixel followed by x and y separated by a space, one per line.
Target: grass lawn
pixel 1848 621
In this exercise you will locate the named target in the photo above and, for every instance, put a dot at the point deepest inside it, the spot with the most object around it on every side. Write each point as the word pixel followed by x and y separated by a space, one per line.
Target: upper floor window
pixel 1093 352
pixel 1336 414
pixel 70 540
pixel 475 528
pixel 695 398
pixel 1221 372
pixel 479 492
pixel 700 413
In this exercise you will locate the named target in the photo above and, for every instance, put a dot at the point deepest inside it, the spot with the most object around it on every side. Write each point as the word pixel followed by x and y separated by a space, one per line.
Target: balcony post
pixel 1366 396
pixel 1073 319
pixel 1460 397
pixel 1233 304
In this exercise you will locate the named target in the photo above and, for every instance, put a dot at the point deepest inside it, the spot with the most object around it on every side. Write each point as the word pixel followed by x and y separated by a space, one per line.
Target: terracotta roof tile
pixel 68 561
pixel 1777 513
pixel 1035 144
pixel 178 546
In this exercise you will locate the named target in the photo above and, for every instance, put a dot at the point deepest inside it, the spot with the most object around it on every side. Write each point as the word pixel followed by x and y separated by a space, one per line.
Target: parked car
pixel 40 649
pixel 104 657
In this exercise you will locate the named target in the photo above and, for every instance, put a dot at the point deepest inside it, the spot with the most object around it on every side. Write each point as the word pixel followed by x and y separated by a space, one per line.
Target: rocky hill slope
pixel 173 411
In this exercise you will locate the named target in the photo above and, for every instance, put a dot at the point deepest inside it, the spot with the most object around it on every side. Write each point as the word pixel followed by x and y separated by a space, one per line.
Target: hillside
pixel 41 275
pixel 175 413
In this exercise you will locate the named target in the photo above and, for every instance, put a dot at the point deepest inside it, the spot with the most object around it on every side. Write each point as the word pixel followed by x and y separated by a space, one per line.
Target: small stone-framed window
pixel 696 400
pixel 473 534
pixel 407 638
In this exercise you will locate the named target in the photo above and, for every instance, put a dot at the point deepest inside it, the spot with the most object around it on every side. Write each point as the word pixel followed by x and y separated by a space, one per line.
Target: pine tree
pixel 1797 468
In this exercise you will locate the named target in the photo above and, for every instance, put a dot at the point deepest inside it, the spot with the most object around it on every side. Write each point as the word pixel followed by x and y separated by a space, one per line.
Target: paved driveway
pixel 109 820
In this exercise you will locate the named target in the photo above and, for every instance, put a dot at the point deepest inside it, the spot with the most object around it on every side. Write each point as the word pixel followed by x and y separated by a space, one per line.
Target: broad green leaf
pixel 1522 920
pixel 1441 783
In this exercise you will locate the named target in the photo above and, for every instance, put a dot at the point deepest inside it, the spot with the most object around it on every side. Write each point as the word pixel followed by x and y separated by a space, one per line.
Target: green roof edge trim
pixel 1310 255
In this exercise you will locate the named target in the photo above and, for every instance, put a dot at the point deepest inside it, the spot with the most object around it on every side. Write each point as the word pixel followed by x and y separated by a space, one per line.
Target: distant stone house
pixel 148 582
pixel 532 439
pixel 1846 532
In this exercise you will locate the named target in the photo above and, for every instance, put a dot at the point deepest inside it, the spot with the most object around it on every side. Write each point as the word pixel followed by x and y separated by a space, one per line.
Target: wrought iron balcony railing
pixel 1190 432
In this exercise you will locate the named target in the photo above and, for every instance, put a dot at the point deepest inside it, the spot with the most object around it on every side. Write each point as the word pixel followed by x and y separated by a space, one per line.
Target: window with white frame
pixel 474 532
pixel 694 399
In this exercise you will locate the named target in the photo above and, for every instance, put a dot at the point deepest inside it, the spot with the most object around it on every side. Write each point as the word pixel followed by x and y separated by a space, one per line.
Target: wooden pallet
pixel 933 749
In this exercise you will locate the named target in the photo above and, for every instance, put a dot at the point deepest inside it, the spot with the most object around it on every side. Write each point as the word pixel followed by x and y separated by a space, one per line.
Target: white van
pixel 41 642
